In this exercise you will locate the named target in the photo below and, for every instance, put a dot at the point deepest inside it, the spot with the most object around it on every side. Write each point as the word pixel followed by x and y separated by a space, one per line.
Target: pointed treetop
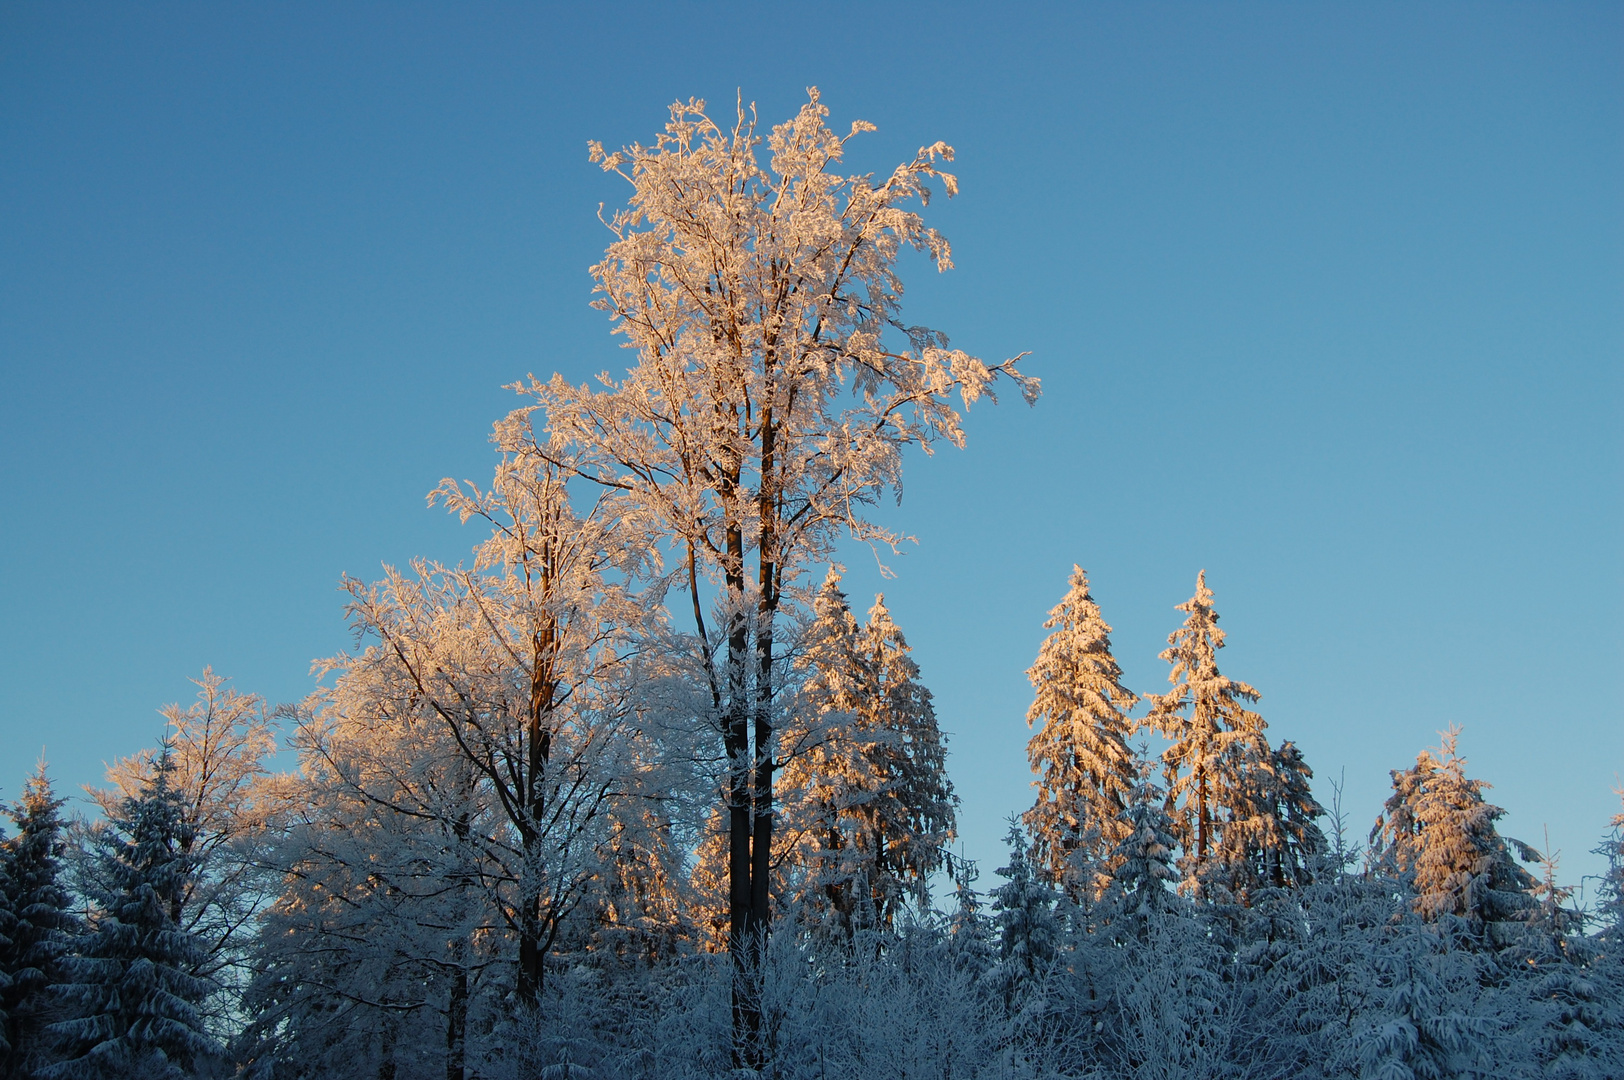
pixel 1077 606
pixel 1192 647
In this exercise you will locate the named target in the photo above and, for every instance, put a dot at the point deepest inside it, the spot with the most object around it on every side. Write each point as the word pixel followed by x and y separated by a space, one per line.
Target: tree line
pixel 635 793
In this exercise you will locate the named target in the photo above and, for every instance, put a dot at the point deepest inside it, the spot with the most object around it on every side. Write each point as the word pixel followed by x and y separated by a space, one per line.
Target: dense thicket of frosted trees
pixel 633 794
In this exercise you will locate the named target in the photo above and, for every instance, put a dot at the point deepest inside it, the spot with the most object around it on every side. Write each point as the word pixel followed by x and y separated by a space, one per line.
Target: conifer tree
pixel 41 926
pixel 1437 827
pixel 865 790
pixel 912 820
pixel 1079 750
pixel 8 918
pixel 1606 967
pixel 1566 1022
pixel 219 746
pixel 828 769
pixel 1220 771
pixel 1290 863
pixel 1142 864
pixel 1610 895
pixel 1029 934
pixel 968 941
pixel 1416 1028
pixel 131 999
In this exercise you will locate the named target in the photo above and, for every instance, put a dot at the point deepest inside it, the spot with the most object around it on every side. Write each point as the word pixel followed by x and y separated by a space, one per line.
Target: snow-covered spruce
pixel 37 924
pixel 1437 828
pixel 1242 814
pixel 129 996
pixel 867 806
pixel 1078 749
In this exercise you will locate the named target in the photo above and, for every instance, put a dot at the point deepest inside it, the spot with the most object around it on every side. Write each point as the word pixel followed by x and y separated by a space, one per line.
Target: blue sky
pixel 1325 298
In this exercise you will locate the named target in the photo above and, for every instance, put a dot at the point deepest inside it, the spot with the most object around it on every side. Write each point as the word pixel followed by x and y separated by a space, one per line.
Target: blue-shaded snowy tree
pixel 1079 748
pixel 774 390
pixel 1169 1008
pixel 1437 828
pixel 129 995
pixel 219 747
pixel 1029 979
pixel 1604 970
pixel 1610 892
pixel 1305 964
pixel 8 918
pixel 1143 863
pixel 1030 937
pixel 1567 1017
pixel 1417 1025
pixel 968 935
pixel 367 959
pixel 40 926
pixel 1291 862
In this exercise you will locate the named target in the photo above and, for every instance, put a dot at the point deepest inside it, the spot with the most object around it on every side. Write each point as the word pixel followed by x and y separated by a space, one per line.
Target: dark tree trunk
pixel 456 1028
pixel 386 1052
pixel 538 747
pixel 742 926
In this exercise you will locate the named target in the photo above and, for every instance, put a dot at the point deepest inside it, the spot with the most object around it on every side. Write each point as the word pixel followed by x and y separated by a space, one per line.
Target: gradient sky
pixel 1325 299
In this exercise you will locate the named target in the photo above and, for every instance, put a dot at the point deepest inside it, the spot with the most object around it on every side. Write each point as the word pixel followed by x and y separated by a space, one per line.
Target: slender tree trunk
pixel 538 747
pixel 736 741
pixel 456 1014
pixel 386 1052
pixel 1203 817
pixel 766 609
pixel 456 1028
pixel 758 918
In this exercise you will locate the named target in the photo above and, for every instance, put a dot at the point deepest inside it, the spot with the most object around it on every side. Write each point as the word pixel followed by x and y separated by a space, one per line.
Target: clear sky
pixel 1325 299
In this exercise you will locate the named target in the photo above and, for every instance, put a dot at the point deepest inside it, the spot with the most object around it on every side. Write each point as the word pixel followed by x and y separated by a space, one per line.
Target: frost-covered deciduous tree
pixel 525 664
pixel 368 956
pixel 774 389
pixel 1437 827
pixel 1221 780
pixel 1079 750
pixel 358 953
pixel 493 764
pixel 38 927
pixel 129 994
